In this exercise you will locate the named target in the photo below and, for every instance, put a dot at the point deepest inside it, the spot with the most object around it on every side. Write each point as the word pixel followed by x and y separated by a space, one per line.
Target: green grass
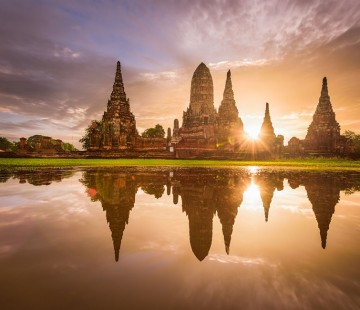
pixel 317 164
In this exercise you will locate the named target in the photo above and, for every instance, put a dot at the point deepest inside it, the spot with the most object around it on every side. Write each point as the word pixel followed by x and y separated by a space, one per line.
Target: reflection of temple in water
pixel 202 196
pixel 204 193
pixel 323 190
pixel 116 192
pixel 267 183
pixel 323 195
pixel 229 196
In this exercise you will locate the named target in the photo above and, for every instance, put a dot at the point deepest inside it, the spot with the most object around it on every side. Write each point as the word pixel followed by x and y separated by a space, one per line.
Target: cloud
pixel 59 63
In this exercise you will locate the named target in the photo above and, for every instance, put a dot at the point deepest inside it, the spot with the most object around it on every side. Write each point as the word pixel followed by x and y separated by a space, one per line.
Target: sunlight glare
pixel 252 199
pixel 253 135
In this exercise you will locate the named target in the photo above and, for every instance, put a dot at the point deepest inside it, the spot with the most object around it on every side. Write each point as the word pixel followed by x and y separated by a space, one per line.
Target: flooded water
pixel 179 239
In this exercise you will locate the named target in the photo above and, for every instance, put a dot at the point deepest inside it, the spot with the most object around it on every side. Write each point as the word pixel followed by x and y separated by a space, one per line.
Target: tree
pixel 355 138
pixel 6 145
pixel 94 126
pixel 68 147
pixel 156 132
pixel 65 145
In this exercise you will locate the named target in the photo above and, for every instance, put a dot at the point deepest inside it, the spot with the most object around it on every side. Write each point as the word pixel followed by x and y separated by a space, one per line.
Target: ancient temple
pixel 267 133
pixel 323 135
pixel 199 120
pixel 324 131
pixel 118 123
pixel 268 145
pixel 117 129
pixel 230 127
pixel 203 128
pixel 201 111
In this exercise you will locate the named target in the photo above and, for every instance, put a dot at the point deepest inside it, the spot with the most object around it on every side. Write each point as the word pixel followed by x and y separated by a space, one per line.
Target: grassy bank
pixel 286 163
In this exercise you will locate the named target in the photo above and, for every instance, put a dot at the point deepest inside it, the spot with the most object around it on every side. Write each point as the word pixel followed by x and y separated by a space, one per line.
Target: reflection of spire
pixel 323 193
pixel 323 199
pixel 199 204
pixel 267 184
pixel 117 219
pixel 227 232
pixel 200 226
pixel 116 192
pixel 229 196
pixel 204 194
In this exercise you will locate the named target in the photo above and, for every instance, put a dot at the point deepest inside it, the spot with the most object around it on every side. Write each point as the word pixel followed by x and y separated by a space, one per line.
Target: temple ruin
pixel 117 130
pixel 323 135
pixel 208 133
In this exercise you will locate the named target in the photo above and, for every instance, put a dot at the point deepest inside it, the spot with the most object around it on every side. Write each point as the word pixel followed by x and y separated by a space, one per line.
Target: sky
pixel 58 61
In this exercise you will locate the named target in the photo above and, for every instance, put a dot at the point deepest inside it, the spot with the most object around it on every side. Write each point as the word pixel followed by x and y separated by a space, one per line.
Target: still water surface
pixel 179 239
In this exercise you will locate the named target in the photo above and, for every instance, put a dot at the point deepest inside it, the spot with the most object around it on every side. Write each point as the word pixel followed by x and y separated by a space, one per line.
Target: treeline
pixel 12 146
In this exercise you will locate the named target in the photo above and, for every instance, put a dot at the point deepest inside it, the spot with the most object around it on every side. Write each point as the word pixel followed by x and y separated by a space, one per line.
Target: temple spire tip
pixel 324 89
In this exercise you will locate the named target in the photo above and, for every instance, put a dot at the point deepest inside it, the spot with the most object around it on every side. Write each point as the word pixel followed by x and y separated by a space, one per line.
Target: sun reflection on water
pixel 253 169
pixel 252 199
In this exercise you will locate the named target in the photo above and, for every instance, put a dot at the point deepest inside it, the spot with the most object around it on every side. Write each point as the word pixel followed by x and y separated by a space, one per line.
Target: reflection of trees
pixel 38 177
pixel 154 189
pixel 267 183
pixel 5 176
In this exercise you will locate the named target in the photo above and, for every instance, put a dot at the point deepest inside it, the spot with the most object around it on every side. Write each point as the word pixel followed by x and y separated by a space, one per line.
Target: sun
pixel 252 134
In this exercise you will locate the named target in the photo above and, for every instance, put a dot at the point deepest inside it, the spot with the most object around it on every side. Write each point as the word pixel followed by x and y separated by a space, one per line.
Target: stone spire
pixel 118 130
pixel 118 92
pixel 228 112
pixel 228 91
pixel 202 90
pixel 324 131
pixel 324 89
pixel 201 110
pixel 267 129
pixel 267 113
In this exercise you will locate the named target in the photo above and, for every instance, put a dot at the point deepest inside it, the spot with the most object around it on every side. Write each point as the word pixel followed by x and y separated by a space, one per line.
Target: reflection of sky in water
pixel 56 247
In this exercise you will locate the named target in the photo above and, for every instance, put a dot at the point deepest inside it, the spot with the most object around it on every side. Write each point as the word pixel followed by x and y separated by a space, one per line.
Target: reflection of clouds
pixel 233 259
pixel 26 202
pixel 167 247
pixel 6 249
